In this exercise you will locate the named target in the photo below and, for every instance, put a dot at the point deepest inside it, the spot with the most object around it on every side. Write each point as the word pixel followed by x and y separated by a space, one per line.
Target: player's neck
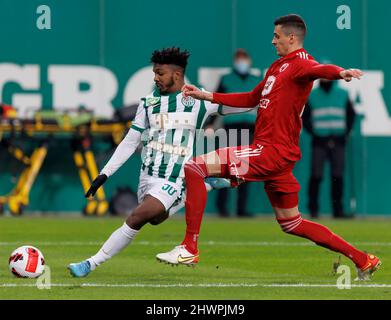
pixel 176 87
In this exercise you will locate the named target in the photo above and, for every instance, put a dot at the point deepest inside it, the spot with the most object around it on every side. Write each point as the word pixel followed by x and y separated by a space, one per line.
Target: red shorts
pixel 261 163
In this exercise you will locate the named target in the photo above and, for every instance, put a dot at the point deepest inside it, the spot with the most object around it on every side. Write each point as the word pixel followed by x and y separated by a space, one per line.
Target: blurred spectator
pixel 239 80
pixel 328 117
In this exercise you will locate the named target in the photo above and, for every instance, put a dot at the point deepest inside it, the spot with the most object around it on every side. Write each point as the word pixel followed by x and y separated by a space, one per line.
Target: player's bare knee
pixel 158 219
pixel 138 218
pixel 155 222
pixel 134 222
pixel 212 162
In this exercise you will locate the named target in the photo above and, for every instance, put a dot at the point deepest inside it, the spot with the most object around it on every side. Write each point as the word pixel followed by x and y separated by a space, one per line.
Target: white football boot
pixel 178 255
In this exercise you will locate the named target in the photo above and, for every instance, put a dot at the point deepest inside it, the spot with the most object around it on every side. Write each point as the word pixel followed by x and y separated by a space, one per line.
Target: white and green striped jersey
pixel 169 124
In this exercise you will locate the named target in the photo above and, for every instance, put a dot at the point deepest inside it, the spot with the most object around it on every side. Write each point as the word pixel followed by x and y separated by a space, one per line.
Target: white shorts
pixel 170 194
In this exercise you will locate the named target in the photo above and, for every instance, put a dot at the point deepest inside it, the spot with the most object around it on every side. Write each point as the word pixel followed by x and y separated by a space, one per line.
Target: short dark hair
pixel 293 21
pixel 171 55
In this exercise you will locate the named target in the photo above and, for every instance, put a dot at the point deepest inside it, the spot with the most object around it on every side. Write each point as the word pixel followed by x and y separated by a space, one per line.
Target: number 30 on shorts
pixel 170 190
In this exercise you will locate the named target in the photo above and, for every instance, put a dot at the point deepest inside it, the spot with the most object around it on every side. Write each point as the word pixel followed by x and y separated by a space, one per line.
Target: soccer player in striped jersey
pixel 281 97
pixel 167 123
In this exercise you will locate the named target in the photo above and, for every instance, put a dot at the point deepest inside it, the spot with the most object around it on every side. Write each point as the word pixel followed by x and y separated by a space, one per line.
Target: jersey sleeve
pixel 211 108
pixel 140 122
pixel 123 152
pixel 214 108
pixel 225 110
pixel 240 100
pixel 309 70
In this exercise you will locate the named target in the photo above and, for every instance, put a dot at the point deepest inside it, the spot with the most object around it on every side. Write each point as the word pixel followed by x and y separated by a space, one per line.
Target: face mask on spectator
pixel 242 66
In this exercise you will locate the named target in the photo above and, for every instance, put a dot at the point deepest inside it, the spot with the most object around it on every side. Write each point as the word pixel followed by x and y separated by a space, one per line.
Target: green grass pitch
pixel 239 259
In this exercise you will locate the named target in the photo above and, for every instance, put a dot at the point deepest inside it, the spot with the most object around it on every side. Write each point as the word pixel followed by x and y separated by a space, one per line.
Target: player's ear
pixel 178 74
pixel 292 38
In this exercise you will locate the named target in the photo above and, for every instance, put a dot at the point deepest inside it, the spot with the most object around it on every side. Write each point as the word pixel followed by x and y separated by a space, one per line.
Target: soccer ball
pixel 26 262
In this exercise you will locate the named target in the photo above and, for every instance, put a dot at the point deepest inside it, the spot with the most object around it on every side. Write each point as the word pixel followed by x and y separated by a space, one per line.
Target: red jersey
pixel 281 97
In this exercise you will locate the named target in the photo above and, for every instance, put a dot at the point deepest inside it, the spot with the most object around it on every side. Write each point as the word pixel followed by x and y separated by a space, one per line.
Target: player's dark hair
pixel 171 55
pixel 292 21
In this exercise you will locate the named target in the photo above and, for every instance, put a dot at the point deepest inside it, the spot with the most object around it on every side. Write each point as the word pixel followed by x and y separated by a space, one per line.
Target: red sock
pixel 322 236
pixel 195 172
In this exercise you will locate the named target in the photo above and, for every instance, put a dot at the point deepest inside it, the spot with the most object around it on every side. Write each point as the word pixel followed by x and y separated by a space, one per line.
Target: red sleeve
pixel 311 70
pixel 240 100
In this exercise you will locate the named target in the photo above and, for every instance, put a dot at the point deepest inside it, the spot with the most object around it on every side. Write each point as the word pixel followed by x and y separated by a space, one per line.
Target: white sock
pixel 118 240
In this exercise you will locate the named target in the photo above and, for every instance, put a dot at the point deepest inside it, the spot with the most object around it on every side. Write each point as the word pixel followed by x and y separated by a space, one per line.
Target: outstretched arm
pixel 123 152
pixel 349 74
pixel 129 144
pixel 239 100
pixel 313 70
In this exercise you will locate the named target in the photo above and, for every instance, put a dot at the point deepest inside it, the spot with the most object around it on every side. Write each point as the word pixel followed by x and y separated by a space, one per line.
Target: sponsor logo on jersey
pixel 269 85
pixel 188 101
pixel 169 148
pixel 173 120
pixel 152 101
pixel 263 103
pixel 283 67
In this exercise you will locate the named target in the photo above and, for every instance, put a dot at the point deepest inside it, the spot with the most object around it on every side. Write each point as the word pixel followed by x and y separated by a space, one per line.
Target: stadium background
pixel 117 37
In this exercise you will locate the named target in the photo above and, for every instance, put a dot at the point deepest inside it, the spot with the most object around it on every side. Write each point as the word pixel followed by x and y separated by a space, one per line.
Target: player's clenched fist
pixel 188 90
pixel 348 74
pixel 99 180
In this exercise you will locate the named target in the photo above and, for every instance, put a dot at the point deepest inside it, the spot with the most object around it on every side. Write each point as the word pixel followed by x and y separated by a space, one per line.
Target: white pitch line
pixel 310 285
pixel 206 243
pixel 137 285
pixel 200 285
pixel 159 243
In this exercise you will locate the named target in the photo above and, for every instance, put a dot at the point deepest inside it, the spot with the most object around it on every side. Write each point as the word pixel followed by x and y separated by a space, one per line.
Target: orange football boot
pixel 373 264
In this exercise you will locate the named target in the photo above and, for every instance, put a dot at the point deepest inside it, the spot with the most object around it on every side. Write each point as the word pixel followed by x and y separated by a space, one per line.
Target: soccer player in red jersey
pixel 281 97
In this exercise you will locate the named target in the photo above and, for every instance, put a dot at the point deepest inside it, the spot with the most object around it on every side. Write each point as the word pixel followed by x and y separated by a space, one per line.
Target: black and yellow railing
pixel 80 128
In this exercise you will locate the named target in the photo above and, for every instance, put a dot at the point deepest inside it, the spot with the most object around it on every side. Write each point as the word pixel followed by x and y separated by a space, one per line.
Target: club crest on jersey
pixel 188 101
pixel 269 85
pixel 152 101
pixel 263 103
pixel 283 67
